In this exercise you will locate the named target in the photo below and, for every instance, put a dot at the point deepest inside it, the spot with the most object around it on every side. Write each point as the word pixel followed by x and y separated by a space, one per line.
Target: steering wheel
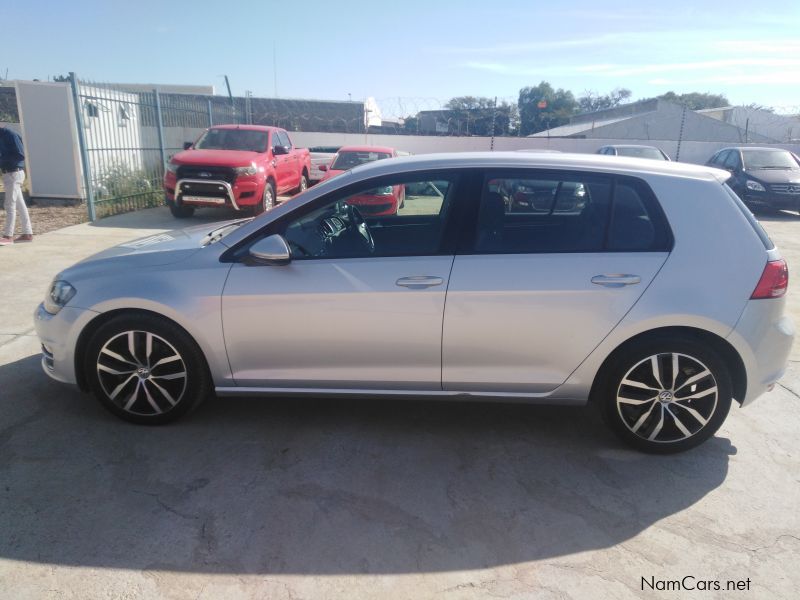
pixel 358 223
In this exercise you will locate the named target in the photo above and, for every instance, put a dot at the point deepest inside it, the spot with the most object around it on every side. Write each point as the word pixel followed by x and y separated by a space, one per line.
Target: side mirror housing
pixel 187 145
pixel 272 251
pixel 279 150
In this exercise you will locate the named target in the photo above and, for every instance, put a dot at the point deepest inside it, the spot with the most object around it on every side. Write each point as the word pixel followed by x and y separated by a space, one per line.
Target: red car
pixel 380 202
pixel 244 167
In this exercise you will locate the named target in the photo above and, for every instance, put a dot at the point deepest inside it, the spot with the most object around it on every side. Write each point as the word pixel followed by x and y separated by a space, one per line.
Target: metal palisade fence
pixel 126 136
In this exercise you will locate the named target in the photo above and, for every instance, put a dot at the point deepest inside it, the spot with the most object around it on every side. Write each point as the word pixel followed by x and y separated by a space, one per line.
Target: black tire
pixel 140 387
pixel 182 211
pixel 267 199
pixel 671 421
pixel 303 186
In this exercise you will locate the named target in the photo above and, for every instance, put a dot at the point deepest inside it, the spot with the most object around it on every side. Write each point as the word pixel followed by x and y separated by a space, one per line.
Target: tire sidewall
pixel 638 351
pixel 198 384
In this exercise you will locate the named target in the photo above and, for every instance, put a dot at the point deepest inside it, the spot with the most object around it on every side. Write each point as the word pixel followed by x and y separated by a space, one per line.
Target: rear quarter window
pixel 762 235
pixel 637 222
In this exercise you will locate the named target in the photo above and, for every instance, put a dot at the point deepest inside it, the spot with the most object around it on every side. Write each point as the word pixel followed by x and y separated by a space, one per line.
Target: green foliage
pixel 560 106
pixel 696 100
pixel 122 189
pixel 592 101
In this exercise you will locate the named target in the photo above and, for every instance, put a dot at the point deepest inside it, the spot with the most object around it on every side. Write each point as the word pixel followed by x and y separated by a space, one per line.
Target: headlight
pixel 755 186
pixel 59 294
pixel 251 170
pixel 172 167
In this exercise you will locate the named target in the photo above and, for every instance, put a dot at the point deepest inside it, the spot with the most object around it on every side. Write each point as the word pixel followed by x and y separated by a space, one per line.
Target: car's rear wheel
pixel 180 211
pixel 146 369
pixel 666 395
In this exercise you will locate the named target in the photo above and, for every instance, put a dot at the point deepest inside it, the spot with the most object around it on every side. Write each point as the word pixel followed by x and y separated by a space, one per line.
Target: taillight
pixel 774 281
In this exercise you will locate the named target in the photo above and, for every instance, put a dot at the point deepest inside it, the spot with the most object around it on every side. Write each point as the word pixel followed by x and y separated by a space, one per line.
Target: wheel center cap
pixel 143 372
pixel 665 397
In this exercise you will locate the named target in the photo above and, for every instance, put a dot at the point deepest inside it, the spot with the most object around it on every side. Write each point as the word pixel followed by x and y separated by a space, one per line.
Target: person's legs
pixel 24 217
pixel 10 204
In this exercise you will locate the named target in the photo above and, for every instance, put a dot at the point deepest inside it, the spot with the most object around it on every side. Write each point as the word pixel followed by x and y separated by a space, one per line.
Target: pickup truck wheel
pixel 303 184
pixel 267 199
pixel 182 211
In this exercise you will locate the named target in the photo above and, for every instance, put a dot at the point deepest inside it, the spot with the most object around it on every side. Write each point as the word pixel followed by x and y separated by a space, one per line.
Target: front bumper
pixel 244 192
pixel 58 335
pixel 772 200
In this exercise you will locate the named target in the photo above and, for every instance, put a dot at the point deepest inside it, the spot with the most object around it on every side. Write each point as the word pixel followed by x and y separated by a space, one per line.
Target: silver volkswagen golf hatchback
pixel 644 287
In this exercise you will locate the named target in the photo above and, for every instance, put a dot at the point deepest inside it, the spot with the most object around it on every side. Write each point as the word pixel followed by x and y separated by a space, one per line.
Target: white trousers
pixel 12 183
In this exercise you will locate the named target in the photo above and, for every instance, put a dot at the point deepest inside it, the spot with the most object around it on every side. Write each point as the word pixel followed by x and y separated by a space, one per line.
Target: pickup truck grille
pixel 210 173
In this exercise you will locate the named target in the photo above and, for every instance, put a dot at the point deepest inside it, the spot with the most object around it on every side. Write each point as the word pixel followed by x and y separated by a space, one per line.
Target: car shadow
pixel 252 486
pixel 161 218
pixel 775 215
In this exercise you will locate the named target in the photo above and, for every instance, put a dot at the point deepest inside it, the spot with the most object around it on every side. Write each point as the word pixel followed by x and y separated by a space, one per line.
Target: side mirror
pixel 323 167
pixel 187 145
pixel 279 150
pixel 272 251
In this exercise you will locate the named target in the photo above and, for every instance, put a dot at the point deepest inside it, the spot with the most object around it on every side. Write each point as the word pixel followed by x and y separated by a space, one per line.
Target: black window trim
pixel 468 237
pixel 447 246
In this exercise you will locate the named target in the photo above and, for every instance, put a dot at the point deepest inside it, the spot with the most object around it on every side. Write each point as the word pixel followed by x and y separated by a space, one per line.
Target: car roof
pixel 630 146
pixel 247 127
pixel 753 149
pixel 367 149
pixel 622 165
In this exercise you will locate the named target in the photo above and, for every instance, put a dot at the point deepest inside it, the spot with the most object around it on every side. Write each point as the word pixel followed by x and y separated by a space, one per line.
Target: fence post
pixel 160 132
pixel 210 114
pixel 87 169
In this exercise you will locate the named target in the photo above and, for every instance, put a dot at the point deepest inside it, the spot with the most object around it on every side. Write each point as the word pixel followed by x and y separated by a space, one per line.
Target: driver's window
pixel 382 218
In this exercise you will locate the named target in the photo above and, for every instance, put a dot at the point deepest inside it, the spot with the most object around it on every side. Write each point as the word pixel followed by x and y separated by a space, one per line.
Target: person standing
pixel 12 166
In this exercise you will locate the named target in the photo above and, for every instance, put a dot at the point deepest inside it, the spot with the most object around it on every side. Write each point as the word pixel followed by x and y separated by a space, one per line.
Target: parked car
pixel 634 151
pixel 628 302
pixel 244 167
pixel 762 177
pixel 381 201
pixel 320 156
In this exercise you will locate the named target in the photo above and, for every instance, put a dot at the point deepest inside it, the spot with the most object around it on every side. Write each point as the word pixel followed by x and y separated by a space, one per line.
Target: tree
pixel 696 100
pixel 478 115
pixel 542 107
pixel 591 101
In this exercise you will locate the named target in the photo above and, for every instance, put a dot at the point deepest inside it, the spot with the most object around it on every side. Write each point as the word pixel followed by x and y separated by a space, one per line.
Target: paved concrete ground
pixel 349 499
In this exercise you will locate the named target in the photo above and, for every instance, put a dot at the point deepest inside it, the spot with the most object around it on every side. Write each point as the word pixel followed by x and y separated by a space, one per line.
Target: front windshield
pixel 233 139
pixel 769 159
pixel 653 153
pixel 349 159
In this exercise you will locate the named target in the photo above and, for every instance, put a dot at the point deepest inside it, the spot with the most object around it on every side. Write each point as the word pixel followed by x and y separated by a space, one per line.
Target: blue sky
pixel 413 55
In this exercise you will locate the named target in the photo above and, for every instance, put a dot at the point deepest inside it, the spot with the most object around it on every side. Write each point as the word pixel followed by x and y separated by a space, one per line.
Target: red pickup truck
pixel 244 167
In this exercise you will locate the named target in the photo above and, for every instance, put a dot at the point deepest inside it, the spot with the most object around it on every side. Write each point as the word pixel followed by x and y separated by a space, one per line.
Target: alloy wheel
pixel 667 397
pixel 141 373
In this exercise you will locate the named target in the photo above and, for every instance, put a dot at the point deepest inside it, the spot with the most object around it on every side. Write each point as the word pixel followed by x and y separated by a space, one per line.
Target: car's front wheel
pixel 146 369
pixel 666 395
pixel 181 211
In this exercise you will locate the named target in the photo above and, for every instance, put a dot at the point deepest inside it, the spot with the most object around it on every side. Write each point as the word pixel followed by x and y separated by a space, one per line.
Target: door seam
pixel 444 312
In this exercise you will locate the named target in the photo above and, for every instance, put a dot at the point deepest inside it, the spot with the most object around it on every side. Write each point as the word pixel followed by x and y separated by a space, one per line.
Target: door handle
pixel 419 282
pixel 616 281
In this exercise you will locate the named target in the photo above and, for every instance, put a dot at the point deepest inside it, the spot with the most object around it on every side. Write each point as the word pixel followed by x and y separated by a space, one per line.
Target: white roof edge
pixel 510 159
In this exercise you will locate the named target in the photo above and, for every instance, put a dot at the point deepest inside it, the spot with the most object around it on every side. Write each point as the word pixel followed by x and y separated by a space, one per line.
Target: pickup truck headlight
pixel 57 297
pixel 251 170
pixel 754 186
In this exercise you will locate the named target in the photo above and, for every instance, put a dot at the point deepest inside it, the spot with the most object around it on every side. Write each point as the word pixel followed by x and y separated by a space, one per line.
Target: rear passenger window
pixel 569 213
pixel 543 214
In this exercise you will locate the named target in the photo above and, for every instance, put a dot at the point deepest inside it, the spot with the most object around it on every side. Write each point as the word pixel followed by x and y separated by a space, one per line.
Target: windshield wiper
pixel 220 232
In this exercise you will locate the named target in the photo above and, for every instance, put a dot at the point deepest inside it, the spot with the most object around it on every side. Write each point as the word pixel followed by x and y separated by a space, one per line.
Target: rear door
pixel 552 263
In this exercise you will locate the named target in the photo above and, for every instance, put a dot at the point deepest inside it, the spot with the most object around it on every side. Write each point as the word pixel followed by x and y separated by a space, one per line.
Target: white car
pixel 643 286
pixel 320 155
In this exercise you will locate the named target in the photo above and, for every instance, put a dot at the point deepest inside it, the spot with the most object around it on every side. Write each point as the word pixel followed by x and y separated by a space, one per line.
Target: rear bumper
pixel 763 337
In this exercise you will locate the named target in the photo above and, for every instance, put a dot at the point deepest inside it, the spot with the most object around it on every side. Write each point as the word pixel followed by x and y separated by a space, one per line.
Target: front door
pixel 555 262
pixel 359 306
